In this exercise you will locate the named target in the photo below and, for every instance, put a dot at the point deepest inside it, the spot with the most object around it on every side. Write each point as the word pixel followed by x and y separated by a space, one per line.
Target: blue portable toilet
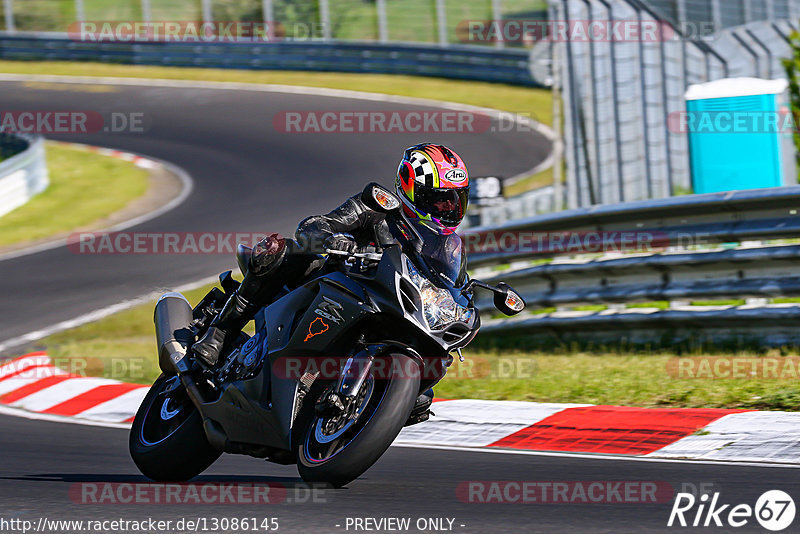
pixel 740 135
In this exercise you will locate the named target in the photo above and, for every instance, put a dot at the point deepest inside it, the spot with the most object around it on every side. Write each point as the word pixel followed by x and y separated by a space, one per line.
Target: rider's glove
pixel 343 242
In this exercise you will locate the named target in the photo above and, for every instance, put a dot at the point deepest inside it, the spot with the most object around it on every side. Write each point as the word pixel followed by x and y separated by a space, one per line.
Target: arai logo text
pixel 455 175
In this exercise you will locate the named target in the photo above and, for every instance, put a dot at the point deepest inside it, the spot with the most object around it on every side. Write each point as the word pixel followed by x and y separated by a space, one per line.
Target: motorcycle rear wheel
pixel 167 441
pixel 340 455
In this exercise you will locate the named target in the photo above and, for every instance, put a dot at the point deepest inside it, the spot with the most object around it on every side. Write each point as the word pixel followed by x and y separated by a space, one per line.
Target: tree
pixel 792 67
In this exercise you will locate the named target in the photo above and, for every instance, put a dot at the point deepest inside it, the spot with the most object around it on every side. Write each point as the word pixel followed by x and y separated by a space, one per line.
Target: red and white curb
pixel 32 383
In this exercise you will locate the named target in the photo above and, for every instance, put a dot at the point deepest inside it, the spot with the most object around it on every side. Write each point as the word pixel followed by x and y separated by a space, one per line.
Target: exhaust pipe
pixel 172 317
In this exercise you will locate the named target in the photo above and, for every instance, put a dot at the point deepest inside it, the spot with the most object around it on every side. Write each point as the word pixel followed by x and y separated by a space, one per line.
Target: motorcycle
pixel 334 368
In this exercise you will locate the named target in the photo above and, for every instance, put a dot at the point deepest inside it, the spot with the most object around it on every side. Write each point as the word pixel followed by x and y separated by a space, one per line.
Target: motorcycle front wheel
pixel 338 449
pixel 167 441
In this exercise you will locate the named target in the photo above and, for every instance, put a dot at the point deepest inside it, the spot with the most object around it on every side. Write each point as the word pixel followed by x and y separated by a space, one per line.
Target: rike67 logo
pixel 774 510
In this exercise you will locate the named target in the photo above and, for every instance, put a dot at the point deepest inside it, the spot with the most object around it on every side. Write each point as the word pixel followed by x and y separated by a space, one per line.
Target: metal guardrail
pixel 464 62
pixel 765 272
pixel 734 216
pixel 775 325
pixel 23 175
pixel 755 273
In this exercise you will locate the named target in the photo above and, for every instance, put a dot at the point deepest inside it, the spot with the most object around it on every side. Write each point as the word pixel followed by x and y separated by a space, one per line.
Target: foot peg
pixel 422 409
pixel 413 419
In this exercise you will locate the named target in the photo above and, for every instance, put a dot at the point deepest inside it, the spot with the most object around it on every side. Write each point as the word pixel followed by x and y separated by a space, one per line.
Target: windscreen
pixel 443 251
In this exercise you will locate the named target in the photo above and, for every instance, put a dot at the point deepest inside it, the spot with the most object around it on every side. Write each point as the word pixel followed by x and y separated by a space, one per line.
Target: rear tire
pixel 167 441
pixel 384 415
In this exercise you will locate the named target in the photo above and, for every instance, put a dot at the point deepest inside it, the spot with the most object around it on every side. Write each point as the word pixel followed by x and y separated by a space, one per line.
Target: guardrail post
pixel 80 14
pixel 794 10
pixel 497 14
pixel 146 10
pixel 8 7
pixel 383 29
pixel 555 65
pixel 325 19
pixel 716 15
pixel 206 7
pixel 267 16
pixel 441 22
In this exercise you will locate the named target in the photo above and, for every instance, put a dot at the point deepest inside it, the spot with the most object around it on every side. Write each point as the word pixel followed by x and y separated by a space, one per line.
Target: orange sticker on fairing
pixel 321 327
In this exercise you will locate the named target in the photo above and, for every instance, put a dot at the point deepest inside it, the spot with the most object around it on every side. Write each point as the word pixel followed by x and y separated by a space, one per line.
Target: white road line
pixel 96 315
pixel 17 412
pixel 591 456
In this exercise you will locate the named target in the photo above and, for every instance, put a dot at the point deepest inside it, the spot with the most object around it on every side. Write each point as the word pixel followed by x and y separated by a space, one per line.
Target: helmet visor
pixel 447 205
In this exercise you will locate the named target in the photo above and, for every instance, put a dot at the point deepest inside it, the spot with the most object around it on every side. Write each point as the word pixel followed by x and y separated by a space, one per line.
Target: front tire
pixel 167 441
pixel 340 455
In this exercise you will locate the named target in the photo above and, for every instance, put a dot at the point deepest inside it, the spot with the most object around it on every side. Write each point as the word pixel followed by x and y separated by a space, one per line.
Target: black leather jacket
pixel 367 226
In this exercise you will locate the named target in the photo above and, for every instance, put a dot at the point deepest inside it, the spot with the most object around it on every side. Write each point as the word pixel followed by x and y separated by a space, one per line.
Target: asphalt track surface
pixel 44 461
pixel 248 177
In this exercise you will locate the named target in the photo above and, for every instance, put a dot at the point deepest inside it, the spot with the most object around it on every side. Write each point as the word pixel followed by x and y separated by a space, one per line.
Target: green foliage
pixel 792 67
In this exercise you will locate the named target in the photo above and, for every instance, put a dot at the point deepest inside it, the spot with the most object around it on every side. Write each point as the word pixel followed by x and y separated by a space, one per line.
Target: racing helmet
pixel 433 184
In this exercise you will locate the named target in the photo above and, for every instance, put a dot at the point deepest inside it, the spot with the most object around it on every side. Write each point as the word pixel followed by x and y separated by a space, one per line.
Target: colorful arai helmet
pixel 433 183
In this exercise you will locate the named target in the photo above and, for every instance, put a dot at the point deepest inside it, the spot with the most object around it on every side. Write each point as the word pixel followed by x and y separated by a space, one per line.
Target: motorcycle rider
pixel 432 184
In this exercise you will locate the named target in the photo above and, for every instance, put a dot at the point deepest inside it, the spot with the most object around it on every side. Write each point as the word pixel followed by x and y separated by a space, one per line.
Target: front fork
pixel 354 374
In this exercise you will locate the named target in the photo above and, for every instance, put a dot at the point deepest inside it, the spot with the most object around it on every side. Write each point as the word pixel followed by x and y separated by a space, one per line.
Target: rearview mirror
pixel 378 198
pixel 508 301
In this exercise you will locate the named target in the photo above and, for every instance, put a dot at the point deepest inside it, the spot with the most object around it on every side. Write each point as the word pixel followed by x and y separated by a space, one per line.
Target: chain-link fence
pixel 620 93
pixel 420 21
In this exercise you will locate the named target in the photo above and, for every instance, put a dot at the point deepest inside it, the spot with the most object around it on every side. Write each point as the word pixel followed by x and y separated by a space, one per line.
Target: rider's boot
pixel 267 256
pixel 422 409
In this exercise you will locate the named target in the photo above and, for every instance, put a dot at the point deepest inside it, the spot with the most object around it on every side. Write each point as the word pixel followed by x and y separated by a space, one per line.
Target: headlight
pixel 438 305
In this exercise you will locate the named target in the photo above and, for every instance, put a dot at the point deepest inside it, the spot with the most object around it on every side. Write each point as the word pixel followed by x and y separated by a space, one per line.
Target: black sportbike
pixel 334 368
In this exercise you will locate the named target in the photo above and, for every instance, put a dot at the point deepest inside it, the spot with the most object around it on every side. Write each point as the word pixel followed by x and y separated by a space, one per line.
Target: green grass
pixel 535 181
pixel 628 379
pixel 722 302
pixel 84 188
pixel 536 103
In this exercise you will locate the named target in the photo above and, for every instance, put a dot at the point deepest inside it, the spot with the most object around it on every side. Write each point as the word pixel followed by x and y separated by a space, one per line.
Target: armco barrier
pixel 464 62
pixel 732 216
pixel 23 175
pixel 752 271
